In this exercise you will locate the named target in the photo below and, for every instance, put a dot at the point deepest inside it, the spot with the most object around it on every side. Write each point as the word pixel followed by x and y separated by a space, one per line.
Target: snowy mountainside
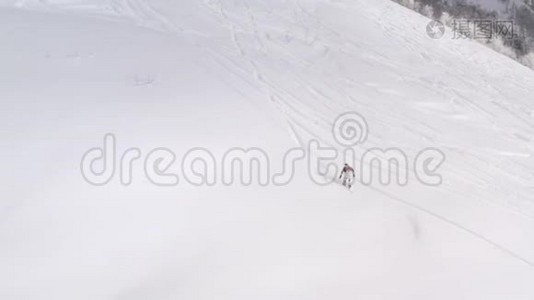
pixel 137 11
pixel 272 75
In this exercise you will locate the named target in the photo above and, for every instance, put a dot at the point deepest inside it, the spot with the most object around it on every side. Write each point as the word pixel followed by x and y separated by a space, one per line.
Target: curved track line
pixel 458 226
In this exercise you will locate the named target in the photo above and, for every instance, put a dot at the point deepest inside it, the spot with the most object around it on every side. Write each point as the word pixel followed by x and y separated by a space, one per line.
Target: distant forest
pixel 520 12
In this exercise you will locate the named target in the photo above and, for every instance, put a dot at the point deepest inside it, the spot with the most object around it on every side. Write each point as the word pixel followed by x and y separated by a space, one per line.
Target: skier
pixel 348 175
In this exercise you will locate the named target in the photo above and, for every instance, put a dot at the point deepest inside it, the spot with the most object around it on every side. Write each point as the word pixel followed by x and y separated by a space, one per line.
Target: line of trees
pixel 521 12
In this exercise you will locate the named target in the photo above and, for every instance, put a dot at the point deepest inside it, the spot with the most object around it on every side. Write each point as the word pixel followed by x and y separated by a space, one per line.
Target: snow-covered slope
pixel 273 75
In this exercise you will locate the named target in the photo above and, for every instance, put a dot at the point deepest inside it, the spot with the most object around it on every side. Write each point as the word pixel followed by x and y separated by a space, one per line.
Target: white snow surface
pixel 268 74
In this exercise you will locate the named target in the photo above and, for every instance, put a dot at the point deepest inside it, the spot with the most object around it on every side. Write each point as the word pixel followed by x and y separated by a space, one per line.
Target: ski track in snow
pixel 139 12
